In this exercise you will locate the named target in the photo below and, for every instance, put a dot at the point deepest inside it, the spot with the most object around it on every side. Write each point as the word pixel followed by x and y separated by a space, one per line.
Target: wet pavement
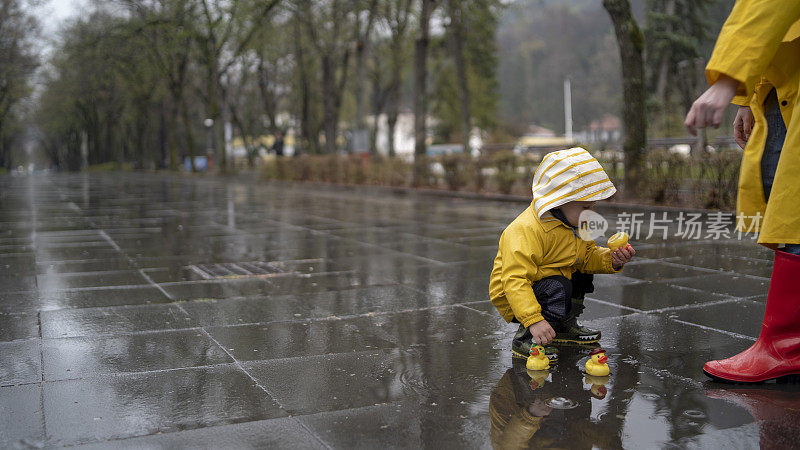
pixel 152 311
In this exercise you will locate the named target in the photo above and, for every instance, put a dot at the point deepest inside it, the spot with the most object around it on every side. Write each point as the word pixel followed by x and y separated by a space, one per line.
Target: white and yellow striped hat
pixel 569 176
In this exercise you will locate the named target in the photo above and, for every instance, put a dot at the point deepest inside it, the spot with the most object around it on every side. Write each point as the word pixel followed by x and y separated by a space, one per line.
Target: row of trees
pixel 154 81
pixel 137 79
pixel 17 65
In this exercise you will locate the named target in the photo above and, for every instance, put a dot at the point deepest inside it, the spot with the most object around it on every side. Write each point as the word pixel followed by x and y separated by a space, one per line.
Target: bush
pixel 506 163
pixel 665 173
pixel 479 165
pixel 456 170
pixel 719 179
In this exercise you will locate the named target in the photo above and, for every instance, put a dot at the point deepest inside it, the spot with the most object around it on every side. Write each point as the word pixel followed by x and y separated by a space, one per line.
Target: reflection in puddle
pixel 530 410
pixel 636 407
pixel 561 403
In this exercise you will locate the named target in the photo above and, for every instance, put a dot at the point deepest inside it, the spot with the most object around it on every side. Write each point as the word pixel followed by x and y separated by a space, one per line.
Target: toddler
pixel 543 268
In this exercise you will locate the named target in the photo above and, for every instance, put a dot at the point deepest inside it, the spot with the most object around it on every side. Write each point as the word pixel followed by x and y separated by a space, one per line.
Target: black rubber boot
pixel 569 331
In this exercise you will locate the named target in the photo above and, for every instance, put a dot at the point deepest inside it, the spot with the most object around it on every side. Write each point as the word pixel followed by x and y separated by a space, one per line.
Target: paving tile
pixel 274 433
pixel 744 248
pixel 649 296
pixel 735 286
pixel 269 308
pixel 18 326
pixel 435 371
pixel 436 325
pixel 26 302
pixel 20 264
pixel 69 281
pixel 20 362
pixel 653 271
pixel 119 262
pixel 21 410
pixel 113 320
pixel 84 356
pixel 741 316
pixel 662 344
pixel 74 254
pixel 117 407
pixel 17 282
pixel 267 286
pixel 87 297
pixel 744 266
pixel 312 384
pixel 294 339
pixel 403 424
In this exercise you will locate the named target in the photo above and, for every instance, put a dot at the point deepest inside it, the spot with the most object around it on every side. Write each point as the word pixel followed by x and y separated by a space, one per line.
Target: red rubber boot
pixel 776 353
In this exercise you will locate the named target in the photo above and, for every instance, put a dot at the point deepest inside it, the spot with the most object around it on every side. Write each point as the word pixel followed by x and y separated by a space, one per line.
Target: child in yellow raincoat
pixel 543 268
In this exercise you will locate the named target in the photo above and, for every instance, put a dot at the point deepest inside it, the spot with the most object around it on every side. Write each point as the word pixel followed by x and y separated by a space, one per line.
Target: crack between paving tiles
pixel 729 333
pixel 709 270
pixel 698 305
pixel 100 375
pixel 617 305
pixel 41 368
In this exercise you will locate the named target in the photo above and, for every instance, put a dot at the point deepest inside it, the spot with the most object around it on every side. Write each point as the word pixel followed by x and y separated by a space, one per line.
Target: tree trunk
pixel 187 127
pixel 306 128
pixel 329 104
pixel 377 108
pixel 630 41
pixel 270 103
pixel 420 91
pixel 457 42
pixel 391 122
pixel 393 96
pixel 663 70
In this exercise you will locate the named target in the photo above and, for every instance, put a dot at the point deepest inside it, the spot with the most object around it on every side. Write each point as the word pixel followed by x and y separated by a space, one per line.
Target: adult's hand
pixel 743 125
pixel 709 108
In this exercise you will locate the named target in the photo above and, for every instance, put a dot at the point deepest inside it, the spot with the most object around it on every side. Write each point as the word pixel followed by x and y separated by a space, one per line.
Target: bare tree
pixel 224 31
pixel 17 65
pixel 398 16
pixel 455 10
pixel 327 25
pixel 420 90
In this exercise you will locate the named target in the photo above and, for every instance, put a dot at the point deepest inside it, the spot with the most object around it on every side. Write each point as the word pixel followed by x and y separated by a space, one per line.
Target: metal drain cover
pixel 234 270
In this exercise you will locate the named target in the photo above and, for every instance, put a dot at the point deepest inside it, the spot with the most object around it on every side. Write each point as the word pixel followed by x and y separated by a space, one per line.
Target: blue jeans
pixel 776 134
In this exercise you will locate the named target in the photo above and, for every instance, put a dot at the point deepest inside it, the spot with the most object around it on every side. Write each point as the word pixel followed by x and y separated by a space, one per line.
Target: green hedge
pixel 707 182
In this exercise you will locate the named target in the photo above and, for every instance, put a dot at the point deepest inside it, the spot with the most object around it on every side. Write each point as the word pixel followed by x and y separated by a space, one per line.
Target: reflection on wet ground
pixel 153 311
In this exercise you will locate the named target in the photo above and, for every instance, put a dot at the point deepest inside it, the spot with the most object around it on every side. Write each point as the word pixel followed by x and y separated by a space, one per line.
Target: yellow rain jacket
pixel 538 245
pixel 759 46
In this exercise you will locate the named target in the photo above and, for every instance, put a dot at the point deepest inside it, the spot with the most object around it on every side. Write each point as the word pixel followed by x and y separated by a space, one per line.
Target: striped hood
pixel 568 176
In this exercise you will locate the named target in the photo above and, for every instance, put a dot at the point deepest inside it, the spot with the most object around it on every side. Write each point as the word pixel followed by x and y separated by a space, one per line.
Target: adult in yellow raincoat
pixel 756 62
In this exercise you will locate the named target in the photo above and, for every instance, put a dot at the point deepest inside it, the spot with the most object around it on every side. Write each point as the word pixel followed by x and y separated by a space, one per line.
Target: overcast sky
pixel 53 12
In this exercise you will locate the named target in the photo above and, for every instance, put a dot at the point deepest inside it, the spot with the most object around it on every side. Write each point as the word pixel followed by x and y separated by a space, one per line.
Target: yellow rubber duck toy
pixel 598 388
pixel 596 365
pixel 537 360
pixel 618 240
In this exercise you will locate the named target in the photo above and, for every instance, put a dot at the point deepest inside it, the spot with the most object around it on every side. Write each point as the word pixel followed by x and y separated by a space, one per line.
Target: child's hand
pixel 621 256
pixel 542 332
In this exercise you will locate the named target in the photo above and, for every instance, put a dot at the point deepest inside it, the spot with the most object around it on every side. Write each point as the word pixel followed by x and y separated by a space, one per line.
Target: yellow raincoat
pixel 759 46
pixel 538 245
